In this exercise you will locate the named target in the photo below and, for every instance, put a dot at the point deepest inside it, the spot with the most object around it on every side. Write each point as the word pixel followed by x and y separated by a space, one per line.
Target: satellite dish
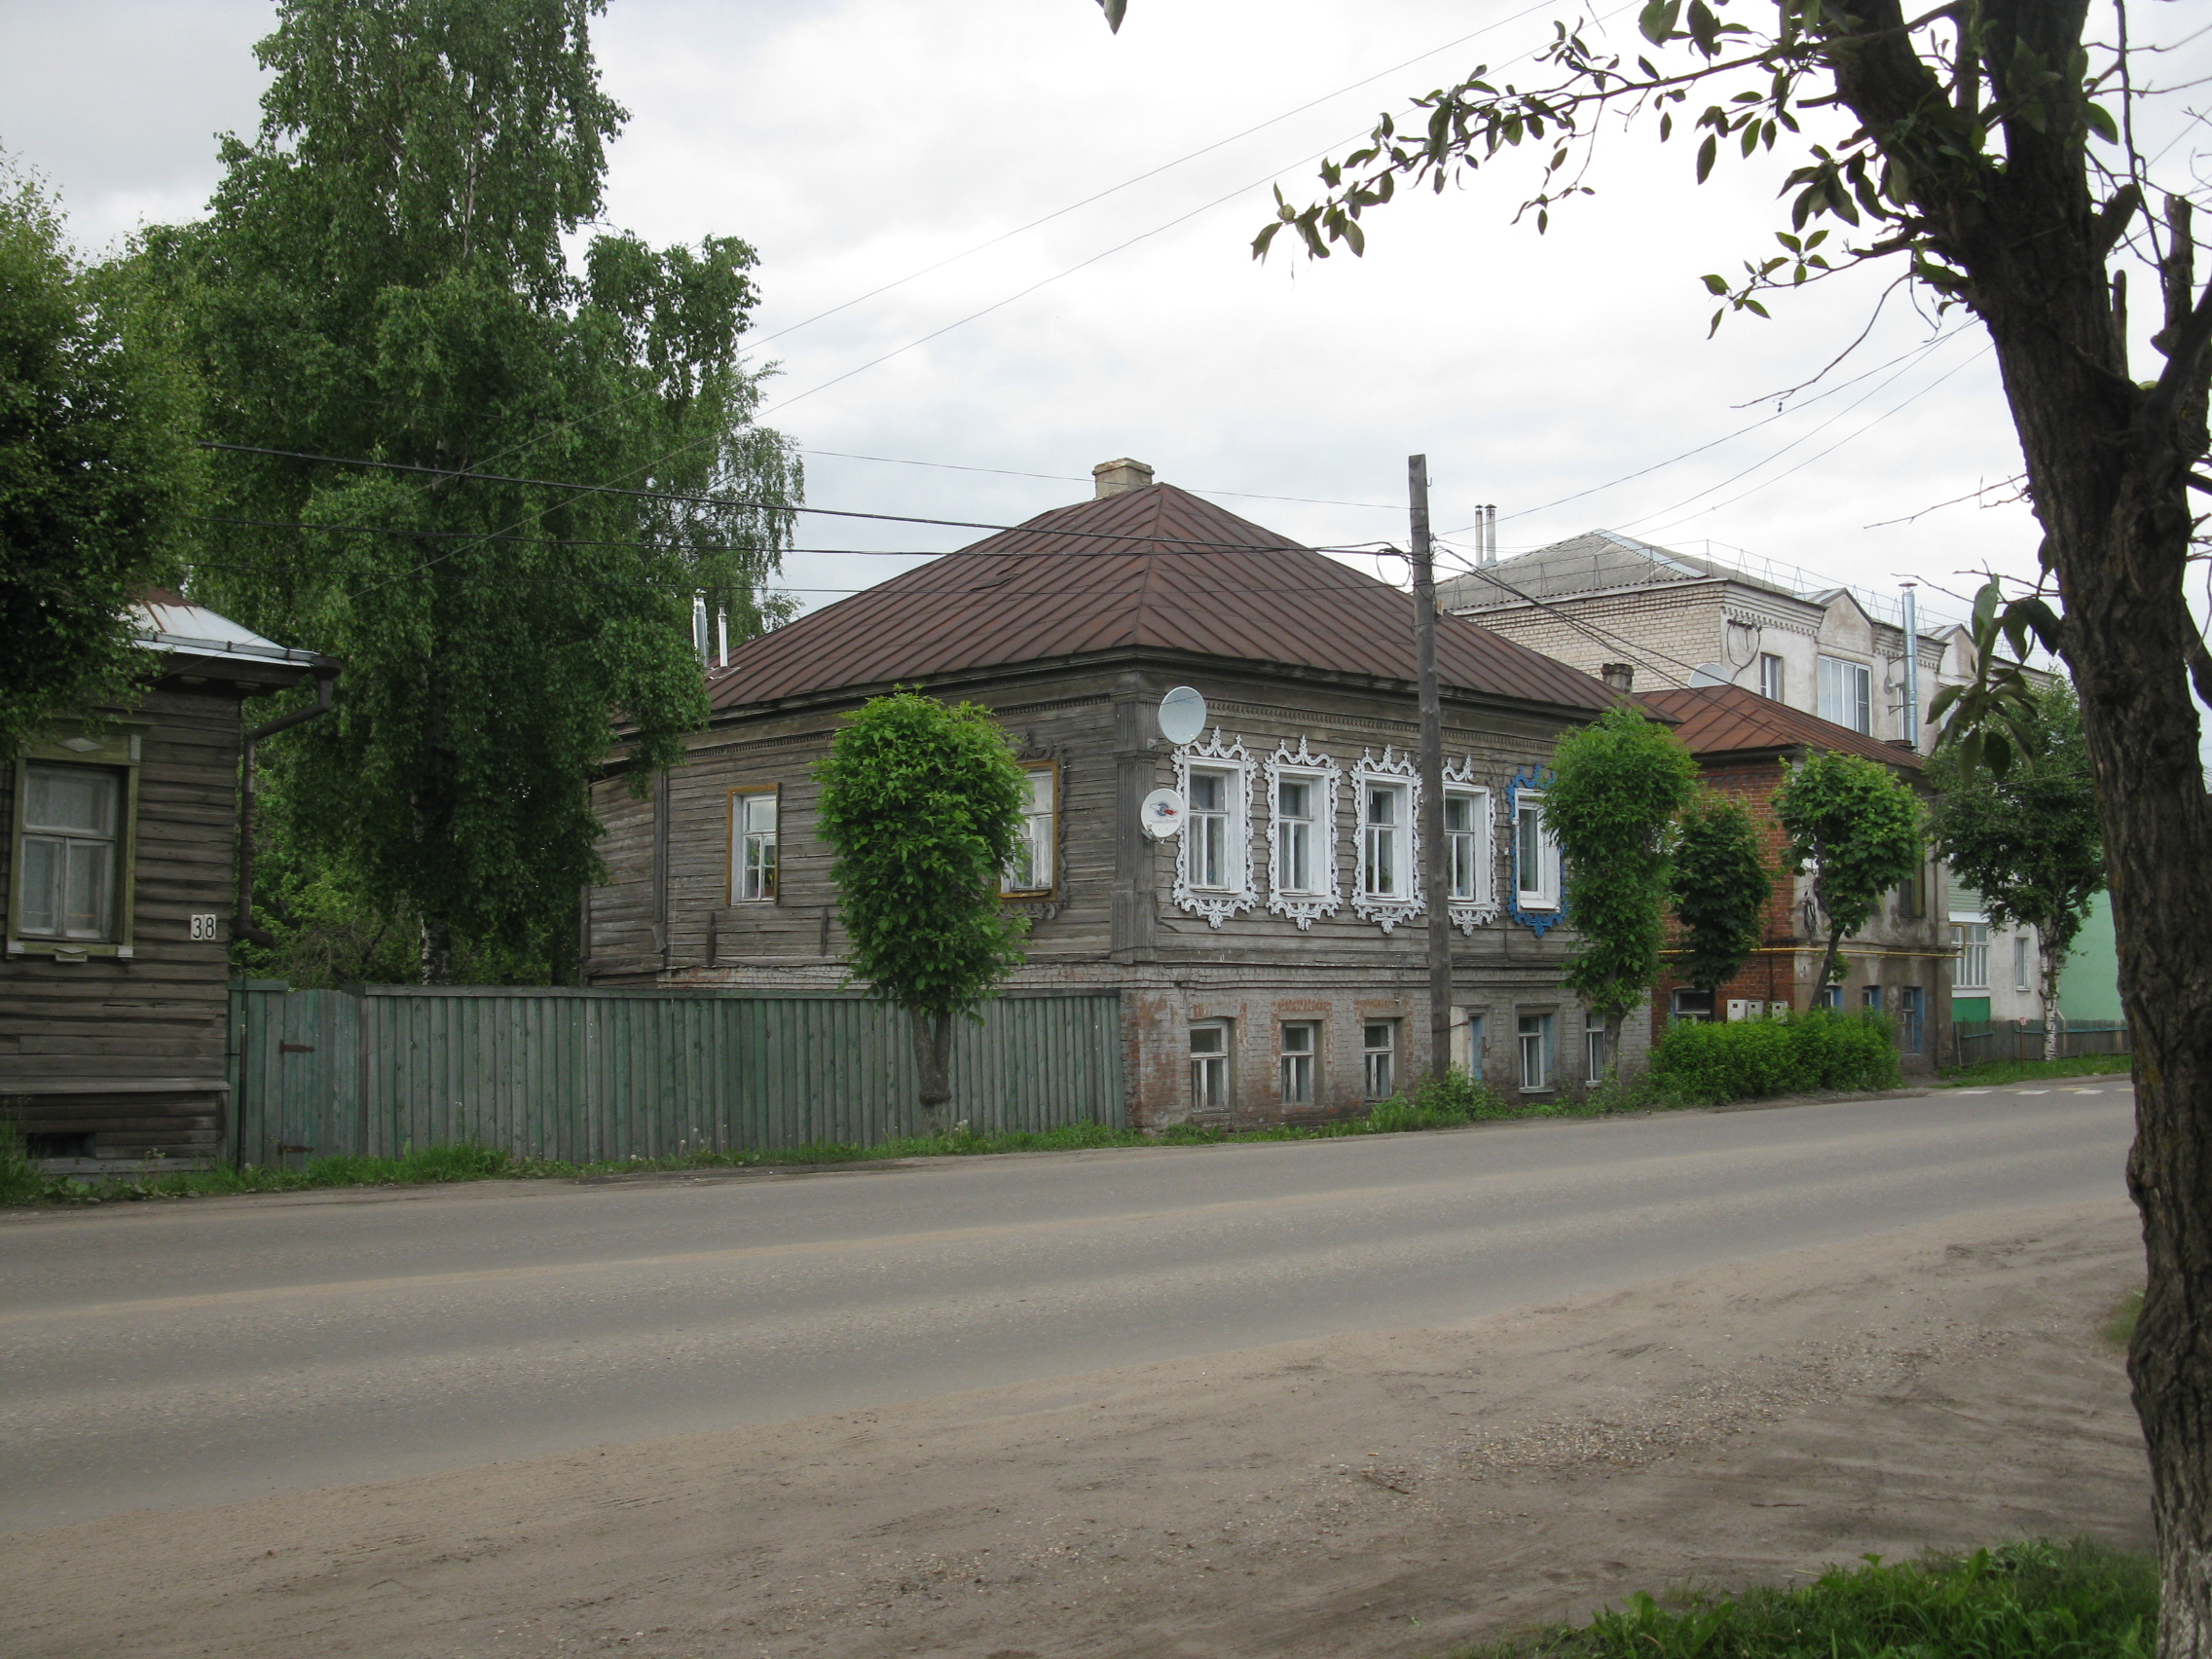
pixel 1182 718
pixel 1162 814
pixel 1713 674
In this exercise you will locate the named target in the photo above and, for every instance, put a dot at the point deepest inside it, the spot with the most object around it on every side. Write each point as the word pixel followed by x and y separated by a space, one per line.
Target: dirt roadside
pixel 1393 1495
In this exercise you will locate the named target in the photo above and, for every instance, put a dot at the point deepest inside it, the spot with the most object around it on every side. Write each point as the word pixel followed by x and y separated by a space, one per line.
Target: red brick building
pixel 1899 963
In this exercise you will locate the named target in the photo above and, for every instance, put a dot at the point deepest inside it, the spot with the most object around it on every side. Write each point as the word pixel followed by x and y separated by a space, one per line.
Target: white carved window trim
pixel 1327 896
pixel 1386 911
pixel 1467 914
pixel 1217 904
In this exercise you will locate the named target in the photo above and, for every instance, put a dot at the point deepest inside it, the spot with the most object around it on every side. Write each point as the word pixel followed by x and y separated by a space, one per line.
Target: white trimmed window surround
pixel 1386 839
pixel 1471 847
pixel 1301 834
pixel 1213 855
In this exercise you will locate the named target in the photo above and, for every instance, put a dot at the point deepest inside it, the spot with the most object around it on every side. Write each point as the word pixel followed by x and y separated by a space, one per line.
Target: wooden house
pixel 118 842
pixel 1899 964
pixel 1270 958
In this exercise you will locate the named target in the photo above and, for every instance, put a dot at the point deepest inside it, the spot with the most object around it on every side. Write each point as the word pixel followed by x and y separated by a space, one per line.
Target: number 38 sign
pixel 204 926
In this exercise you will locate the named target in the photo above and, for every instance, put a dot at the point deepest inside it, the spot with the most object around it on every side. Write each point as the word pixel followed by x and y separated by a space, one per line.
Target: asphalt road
pixel 158 1356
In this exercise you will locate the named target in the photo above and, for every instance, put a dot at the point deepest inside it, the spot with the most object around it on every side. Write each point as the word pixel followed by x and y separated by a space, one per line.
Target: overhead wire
pixel 689 499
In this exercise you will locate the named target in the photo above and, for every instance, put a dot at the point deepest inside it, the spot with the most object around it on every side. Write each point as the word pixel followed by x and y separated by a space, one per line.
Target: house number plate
pixel 204 926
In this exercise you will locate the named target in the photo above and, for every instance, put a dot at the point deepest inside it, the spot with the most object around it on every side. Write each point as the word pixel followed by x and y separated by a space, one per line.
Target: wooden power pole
pixel 1435 855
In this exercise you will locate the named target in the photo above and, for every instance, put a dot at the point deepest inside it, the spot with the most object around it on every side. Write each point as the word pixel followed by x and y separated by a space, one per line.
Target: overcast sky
pixel 855 142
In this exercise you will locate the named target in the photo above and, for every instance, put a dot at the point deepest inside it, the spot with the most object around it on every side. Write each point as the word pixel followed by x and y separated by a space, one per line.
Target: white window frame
pixel 1397 773
pixel 1217 904
pixel 1545 895
pixel 1972 972
pixel 1040 834
pixel 744 838
pixel 1468 912
pixel 1774 676
pixel 1300 1069
pixel 1323 894
pixel 2023 973
pixel 1378 1066
pixel 1536 1064
pixel 1467 1043
pixel 1835 671
pixel 1594 1053
pixel 1213 1076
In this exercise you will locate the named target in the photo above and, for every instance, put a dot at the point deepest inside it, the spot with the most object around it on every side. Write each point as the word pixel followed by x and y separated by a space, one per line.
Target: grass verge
pixel 2024 1600
pixel 2032 1071
pixel 2119 1324
pixel 1456 1101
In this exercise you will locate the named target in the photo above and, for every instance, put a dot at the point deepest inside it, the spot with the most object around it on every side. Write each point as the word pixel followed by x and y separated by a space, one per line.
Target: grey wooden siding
pixel 66 1028
pixel 609 1074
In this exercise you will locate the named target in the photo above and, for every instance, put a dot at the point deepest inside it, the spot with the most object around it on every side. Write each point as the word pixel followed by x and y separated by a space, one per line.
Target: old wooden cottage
pixel 117 841
pixel 1268 959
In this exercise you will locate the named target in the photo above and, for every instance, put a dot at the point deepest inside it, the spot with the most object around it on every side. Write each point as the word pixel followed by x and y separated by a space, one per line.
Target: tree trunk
pixel 437 951
pixel 1831 964
pixel 2107 463
pixel 933 1058
pixel 1614 1023
pixel 2052 964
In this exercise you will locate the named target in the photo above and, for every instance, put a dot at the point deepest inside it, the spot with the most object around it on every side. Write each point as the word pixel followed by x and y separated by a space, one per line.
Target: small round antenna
pixel 1182 716
pixel 1162 814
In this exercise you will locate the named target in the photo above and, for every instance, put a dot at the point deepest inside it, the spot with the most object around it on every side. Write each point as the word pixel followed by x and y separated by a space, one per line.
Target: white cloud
pixel 855 141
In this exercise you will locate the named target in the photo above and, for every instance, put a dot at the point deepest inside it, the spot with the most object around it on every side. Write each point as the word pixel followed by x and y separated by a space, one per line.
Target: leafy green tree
pixel 1720 887
pixel 1618 784
pixel 382 277
pixel 1858 829
pixel 2028 841
pixel 96 469
pixel 922 804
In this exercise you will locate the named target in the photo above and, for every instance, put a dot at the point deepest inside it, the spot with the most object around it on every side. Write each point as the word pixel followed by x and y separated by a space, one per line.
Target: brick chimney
pixel 1618 677
pixel 1113 477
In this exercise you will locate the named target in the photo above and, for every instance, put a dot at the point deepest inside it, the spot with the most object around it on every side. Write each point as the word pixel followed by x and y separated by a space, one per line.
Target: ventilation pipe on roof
pixel 1487 514
pixel 1911 671
pixel 1117 477
pixel 1618 677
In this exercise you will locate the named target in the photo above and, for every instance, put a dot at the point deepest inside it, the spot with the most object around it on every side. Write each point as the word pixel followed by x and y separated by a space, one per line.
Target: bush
pixel 1753 1059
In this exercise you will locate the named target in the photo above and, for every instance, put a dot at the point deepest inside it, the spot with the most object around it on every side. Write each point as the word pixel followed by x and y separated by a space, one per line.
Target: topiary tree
pixel 922 804
pixel 1857 829
pixel 1721 886
pixel 1618 784
pixel 2028 841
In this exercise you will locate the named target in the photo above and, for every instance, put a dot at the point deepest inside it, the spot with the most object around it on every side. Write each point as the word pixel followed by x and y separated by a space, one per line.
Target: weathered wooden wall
pixel 588 1074
pixel 130 1052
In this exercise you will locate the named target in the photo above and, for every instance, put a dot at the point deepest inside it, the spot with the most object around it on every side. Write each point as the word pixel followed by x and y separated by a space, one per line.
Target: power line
pixel 1818 456
pixel 1920 351
pixel 1167 542
pixel 1595 632
pixel 1072 478
pixel 1153 172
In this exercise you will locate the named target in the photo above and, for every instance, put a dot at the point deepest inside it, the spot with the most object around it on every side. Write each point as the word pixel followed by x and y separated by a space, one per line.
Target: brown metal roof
pixel 1150 569
pixel 1725 720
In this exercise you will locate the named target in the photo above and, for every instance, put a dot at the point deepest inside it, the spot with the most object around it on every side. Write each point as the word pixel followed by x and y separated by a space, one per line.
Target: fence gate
pixel 586 1075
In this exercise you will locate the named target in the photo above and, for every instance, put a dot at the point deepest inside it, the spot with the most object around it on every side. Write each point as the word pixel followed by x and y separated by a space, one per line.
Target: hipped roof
pixel 1730 720
pixel 1152 568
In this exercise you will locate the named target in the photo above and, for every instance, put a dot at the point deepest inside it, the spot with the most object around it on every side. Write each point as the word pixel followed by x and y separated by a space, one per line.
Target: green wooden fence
pixel 585 1075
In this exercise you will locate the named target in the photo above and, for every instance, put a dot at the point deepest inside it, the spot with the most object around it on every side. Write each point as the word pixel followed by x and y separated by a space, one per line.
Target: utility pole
pixel 1435 855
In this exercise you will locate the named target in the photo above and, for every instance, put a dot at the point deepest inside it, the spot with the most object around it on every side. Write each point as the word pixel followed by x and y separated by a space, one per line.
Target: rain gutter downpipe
pixel 241 924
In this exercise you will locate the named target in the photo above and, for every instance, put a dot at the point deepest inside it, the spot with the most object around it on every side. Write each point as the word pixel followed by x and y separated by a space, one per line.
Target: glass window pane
pixel 1382 806
pixel 78 800
pixel 1205 791
pixel 1298 1039
pixel 1207 1039
pixel 42 861
pixel 90 883
pixel 1295 799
